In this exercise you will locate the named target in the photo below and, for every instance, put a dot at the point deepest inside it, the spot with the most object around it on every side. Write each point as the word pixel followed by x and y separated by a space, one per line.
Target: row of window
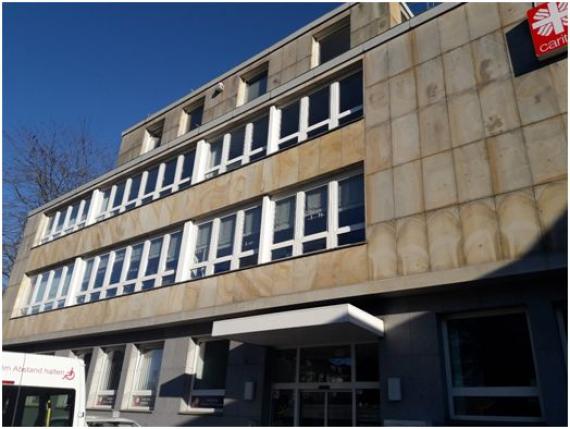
pixel 331 43
pixel 487 377
pixel 325 215
pixel 328 107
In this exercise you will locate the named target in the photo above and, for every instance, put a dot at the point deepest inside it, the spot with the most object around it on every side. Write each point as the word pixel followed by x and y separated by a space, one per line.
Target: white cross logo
pixel 552 18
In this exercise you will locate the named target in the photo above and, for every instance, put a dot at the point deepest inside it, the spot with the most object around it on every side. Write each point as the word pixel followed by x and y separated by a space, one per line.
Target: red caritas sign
pixel 549 28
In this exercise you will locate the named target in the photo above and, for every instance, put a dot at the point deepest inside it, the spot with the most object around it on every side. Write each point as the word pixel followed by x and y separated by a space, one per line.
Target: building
pixel 364 224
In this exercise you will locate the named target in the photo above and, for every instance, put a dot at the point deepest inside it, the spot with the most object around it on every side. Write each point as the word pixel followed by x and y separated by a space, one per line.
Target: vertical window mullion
pixel 126 264
pixel 238 234
pixel 200 161
pixel 332 214
pixel 55 222
pixel 187 247
pixel 214 239
pixel 109 270
pixel 299 222
pixel 247 142
pixel 142 187
pixel 93 207
pixel 225 153
pixel 67 218
pixel 126 193
pixel 273 135
pixel 93 274
pixel 75 281
pixel 35 289
pixel 334 105
pixel 80 210
pixel 159 180
pixel 111 201
pixel 143 264
pixel 178 172
pixel 62 281
pixel 303 118
pixel 163 255
pixel 266 229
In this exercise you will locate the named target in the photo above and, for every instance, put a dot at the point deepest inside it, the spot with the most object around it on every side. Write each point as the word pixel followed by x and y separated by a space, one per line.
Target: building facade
pixel 364 224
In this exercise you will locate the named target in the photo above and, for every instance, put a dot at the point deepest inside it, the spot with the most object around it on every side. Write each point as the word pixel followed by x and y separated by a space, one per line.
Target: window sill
pixel 201 411
pixel 136 410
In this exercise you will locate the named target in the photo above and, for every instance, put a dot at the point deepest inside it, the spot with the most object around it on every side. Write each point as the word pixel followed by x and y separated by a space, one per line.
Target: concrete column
pixel 549 359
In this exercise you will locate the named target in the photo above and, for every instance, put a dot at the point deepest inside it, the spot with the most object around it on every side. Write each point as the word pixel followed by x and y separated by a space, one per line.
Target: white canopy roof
pixel 319 325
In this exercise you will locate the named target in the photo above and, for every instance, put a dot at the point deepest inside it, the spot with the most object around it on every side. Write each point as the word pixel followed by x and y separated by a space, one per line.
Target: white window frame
pixel 38 304
pixel 105 360
pixel 244 158
pixel 319 37
pixel 151 140
pixel 140 350
pixel 332 122
pixel 236 254
pixel 197 367
pixel 333 229
pixel 67 225
pixel 507 391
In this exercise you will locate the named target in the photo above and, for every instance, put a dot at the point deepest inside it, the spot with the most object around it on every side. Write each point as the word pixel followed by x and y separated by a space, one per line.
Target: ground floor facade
pixel 488 352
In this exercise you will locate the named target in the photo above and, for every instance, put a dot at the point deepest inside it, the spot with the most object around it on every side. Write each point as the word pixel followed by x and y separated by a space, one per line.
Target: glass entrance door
pixel 325 386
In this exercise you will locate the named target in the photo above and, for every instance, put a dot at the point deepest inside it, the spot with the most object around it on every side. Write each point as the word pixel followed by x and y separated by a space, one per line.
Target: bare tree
pixel 41 164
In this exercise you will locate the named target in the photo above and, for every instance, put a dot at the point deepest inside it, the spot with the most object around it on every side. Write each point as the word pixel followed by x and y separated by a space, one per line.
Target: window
pixel 323 109
pixel 324 216
pixel 85 355
pixel 49 290
pixel 37 406
pixel 209 382
pixel 146 376
pixel 109 376
pixel 256 86
pixel 153 136
pixel 227 243
pixel 141 266
pixel 67 219
pixel 490 368
pixel 333 42
pixel 238 147
pixel 194 115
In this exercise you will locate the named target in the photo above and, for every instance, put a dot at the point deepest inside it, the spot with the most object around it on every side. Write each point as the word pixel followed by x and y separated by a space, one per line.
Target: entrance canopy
pixel 319 325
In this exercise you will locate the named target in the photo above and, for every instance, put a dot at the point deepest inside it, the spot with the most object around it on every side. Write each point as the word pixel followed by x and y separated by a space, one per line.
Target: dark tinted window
pixel 214 367
pixel 257 86
pixel 195 117
pixel 290 119
pixel 351 92
pixel 169 172
pixel 319 106
pixel 260 129
pixel 334 44
pixel 236 143
pixel 151 180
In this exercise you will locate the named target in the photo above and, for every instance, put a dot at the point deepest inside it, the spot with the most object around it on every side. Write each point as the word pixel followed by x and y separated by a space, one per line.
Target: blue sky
pixel 113 64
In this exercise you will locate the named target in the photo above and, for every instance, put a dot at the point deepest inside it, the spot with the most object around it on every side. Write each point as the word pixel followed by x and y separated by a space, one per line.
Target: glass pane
pixel 212 373
pixel 216 152
pixel 34 409
pixel 117 266
pixel 135 262
pixel 151 181
pixel 60 220
pixel 283 366
pixel 226 236
pixel 112 374
pixel 330 364
pixel 153 256
pixel 315 245
pixel 316 211
pixel 248 261
pixel 260 130
pixel 351 92
pixel 367 362
pixel 289 119
pixel 222 267
pixel 169 172
pixel 87 274
pixel 367 407
pixel 284 224
pixel 497 406
pixel 317 131
pixel 168 280
pixel 55 284
pixel 282 408
pixel 339 408
pixel 147 284
pixel 312 409
pixel 319 106
pixel 67 280
pixel 203 242
pixel 351 201
pixel 149 369
pixel 351 237
pixel 198 273
pixel 334 44
pixel 257 86
pixel 101 270
pixel 173 251
pixel 491 351
pixel 105 200
pixel 135 185
pixel 283 252
pixel 188 165
pixel 236 143
pixel 120 191
pixel 85 210
pixel 49 225
pixel 251 229
pixel 195 119
pixel 73 215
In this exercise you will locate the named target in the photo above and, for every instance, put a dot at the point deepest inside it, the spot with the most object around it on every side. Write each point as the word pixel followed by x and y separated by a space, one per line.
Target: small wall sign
pixel 548 24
